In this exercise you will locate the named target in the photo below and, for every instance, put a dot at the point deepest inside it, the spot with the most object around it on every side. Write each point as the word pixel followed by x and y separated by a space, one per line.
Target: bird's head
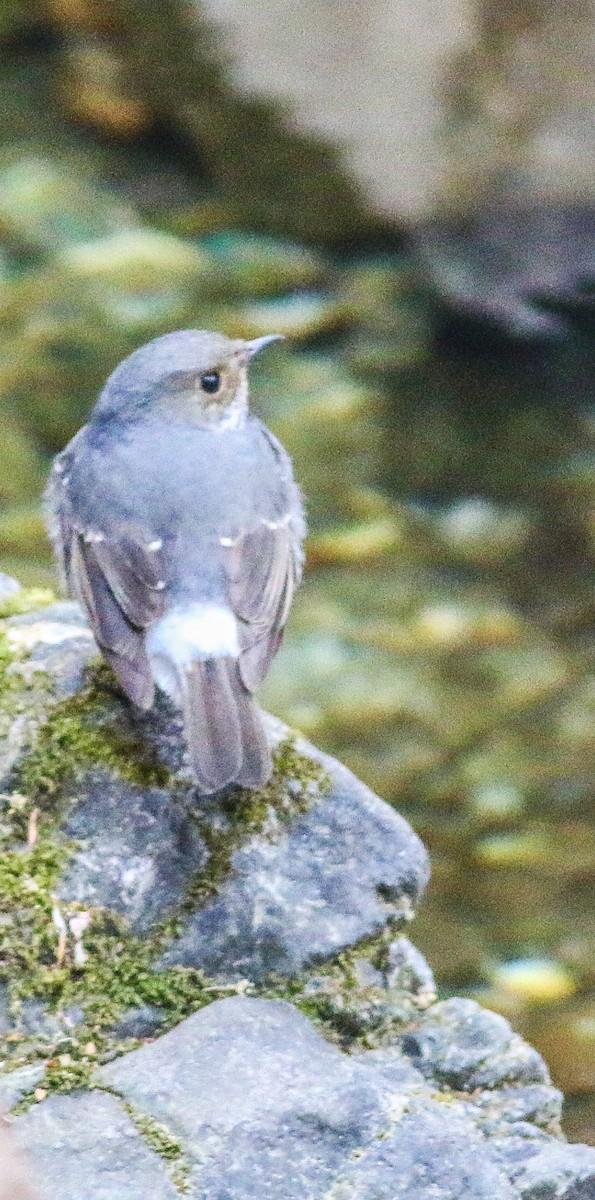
pixel 194 373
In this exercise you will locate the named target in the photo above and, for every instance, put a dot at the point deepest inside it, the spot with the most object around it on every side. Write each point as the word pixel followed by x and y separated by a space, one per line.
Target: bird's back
pixel 184 485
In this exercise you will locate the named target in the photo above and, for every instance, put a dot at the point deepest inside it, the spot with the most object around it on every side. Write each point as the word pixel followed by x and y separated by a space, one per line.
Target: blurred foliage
pixel 149 71
pixel 442 643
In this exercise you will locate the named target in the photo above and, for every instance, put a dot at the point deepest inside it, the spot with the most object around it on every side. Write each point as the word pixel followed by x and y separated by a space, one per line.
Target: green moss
pixel 65 1073
pixel 34 964
pixel 119 975
pixel 85 731
pixel 28 936
pixel 163 1143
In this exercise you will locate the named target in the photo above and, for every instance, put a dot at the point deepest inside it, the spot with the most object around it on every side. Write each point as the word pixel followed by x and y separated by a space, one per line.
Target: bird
pixel 178 525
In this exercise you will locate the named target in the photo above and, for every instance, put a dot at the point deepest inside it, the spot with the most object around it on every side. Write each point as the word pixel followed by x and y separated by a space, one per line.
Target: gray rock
pixel 535 1102
pixel 368 999
pixel 15 738
pixel 346 869
pixel 17 1084
pixel 60 644
pixel 449 1108
pixel 431 1155
pixel 287 1116
pixel 63 612
pixel 138 849
pixel 140 1022
pixel 500 265
pixel 265 1063
pixel 65 663
pixel 34 1019
pixel 408 970
pixel 263 1107
pixel 396 1071
pixel 6 1020
pixel 298 891
pixel 55 642
pixel 85 1145
pixel 462 1045
pixel 546 1170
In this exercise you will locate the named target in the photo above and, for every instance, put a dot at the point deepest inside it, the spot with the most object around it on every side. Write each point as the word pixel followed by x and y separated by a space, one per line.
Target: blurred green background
pixel 443 643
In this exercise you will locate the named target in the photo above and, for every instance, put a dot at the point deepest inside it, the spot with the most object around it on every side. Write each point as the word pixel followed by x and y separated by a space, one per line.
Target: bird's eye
pixel 210 382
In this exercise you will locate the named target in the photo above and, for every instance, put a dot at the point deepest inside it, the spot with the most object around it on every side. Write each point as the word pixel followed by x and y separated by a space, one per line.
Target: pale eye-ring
pixel 210 382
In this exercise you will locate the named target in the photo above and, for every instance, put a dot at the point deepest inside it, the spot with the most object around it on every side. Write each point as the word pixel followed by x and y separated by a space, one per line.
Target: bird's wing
pixel 120 581
pixel 263 567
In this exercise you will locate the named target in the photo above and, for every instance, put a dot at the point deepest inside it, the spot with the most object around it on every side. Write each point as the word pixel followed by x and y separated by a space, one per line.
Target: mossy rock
pixel 116 872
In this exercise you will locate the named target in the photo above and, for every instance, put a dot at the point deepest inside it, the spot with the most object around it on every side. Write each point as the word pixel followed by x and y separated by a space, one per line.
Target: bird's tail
pixel 224 731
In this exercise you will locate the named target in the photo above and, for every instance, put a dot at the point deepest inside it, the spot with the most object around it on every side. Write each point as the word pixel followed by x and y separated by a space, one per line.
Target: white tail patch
pixel 184 634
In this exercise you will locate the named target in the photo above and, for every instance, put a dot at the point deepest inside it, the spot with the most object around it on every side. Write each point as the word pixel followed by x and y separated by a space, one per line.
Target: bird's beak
pixel 257 344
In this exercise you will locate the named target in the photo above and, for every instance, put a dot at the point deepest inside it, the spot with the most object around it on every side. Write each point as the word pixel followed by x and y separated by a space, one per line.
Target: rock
pixel 5 1018
pixel 544 1169
pixel 290 894
pixel 59 642
pixel 18 1083
pixel 369 999
pixel 510 266
pixel 33 1018
pixel 431 1156
pixel 241 885
pixel 87 1145
pixel 138 850
pixel 537 1103
pixel 288 891
pixel 568 1172
pixel 388 121
pixel 467 1047
pixel 139 1022
pixel 60 612
pixel 124 886
pixel 287 1115
pixel 408 969
pixel 269 1070
pixel 299 894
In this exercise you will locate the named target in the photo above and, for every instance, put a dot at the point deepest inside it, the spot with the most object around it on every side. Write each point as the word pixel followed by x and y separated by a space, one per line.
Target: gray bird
pixel 177 523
